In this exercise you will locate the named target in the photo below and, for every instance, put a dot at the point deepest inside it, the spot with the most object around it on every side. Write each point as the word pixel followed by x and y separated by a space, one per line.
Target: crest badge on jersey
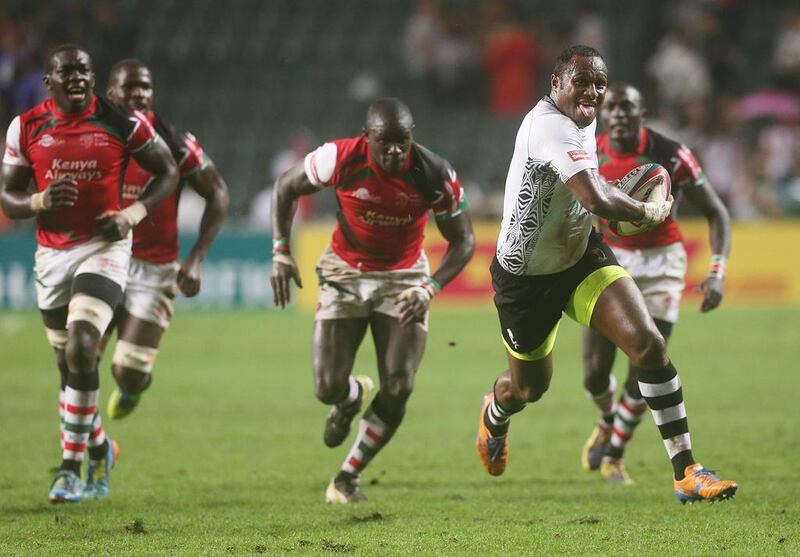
pixel 93 140
pixel 365 195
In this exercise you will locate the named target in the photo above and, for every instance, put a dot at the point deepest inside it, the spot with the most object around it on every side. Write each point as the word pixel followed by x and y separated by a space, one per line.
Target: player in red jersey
pixel 374 274
pixel 656 260
pixel 154 273
pixel 74 146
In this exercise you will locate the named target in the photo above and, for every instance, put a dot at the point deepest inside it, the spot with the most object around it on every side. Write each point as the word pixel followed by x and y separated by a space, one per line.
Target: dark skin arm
pixel 460 239
pixel 706 200
pixel 289 187
pixel 16 199
pixel 602 199
pixel 157 161
pixel 211 187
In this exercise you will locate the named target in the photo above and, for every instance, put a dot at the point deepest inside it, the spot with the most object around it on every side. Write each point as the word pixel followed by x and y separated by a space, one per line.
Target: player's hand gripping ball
pixel 648 183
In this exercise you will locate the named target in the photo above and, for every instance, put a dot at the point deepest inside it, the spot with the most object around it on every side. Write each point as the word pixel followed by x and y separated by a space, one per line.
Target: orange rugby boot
pixel 493 451
pixel 700 484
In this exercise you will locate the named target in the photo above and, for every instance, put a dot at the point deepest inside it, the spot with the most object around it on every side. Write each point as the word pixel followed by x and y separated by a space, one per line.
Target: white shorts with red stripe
pixel 56 268
pixel 346 292
pixel 659 273
pixel 151 290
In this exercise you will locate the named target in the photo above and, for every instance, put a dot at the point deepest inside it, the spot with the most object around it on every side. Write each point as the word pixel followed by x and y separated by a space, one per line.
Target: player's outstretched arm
pixel 460 246
pixel 460 238
pixel 604 200
pixel 289 187
pixel 212 188
pixel 19 203
pixel 710 205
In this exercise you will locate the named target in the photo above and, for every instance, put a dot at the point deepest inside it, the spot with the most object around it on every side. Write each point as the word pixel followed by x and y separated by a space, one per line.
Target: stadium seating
pixel 244 75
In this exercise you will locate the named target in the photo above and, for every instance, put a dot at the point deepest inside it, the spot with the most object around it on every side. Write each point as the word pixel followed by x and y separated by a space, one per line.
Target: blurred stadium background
pixel 262 83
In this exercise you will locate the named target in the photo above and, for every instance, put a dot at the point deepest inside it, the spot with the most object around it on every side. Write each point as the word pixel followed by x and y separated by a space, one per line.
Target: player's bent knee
pixel 134 356
pixel 519 395
pixel 399 390
pixel 96 312
pixel 597 383
pixel 649 350
pixel 57 338
pixel 81 349
pixel 535 393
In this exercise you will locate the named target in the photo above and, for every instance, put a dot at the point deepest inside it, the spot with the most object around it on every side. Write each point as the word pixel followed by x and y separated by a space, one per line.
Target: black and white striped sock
pixel 497 418
pixel 605 401
pixel 662 390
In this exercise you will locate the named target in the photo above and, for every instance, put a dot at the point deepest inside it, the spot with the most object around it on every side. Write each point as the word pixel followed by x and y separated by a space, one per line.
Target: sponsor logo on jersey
pixel 599 254
pixel 579 155
pixel 371 217
pixel 48 140
pixel 80 170
pixel 512 339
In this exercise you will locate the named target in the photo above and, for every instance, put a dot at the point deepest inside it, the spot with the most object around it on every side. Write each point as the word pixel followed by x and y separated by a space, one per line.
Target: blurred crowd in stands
pixel 748 139
pixel 495 56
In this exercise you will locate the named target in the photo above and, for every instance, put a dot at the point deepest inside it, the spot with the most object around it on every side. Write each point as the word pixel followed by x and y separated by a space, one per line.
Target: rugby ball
pixel 647 182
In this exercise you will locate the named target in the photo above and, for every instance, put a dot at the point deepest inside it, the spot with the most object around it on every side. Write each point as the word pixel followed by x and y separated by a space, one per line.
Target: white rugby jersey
pixel 545 230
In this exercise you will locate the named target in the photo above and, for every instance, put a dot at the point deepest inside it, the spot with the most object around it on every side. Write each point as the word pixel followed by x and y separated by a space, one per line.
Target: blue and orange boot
pixel 98 478
pixel 700 484
pixel 493 451
pixel 67 487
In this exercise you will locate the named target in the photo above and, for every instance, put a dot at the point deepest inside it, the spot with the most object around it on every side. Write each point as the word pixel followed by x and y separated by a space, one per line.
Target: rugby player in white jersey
pixel 550 260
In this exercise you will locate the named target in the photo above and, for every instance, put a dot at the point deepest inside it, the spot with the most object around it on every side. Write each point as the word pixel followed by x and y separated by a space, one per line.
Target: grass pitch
pixel 224 456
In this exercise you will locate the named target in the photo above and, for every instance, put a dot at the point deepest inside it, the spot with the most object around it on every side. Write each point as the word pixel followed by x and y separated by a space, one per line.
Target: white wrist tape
pixel 135 213
pixel 655 212
pixel 37 202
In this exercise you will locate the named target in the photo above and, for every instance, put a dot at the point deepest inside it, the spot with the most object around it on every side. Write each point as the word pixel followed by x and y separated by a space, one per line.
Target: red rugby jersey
pixel 155 239
pixel 382 217
pixel 684 171
pixel 91 147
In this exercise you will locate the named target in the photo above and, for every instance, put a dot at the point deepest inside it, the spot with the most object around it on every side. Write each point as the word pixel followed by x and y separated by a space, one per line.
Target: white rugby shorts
pixel 660 274
pixel 151 290
pixel 56 268
pixel 346 292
